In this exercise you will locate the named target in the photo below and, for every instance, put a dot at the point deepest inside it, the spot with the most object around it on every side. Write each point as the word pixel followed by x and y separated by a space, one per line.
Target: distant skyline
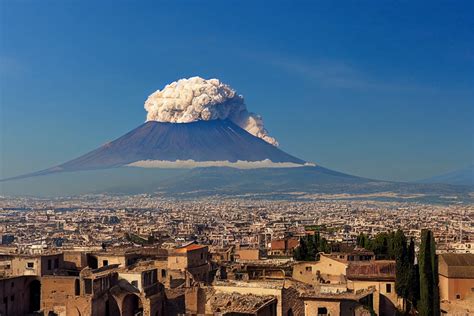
pixel 382 90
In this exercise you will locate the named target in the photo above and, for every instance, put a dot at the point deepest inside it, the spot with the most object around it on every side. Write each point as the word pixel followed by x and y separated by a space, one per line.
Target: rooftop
pixel 239 303
pixel 453 265
pixel 357 295
pixel 189 248
pixel 371 270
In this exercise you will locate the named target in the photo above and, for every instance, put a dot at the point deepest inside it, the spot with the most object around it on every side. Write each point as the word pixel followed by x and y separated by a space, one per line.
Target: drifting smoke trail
pixel 195 99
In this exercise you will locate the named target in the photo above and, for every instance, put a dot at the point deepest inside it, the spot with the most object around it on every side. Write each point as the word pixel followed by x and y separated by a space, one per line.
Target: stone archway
pixel 111 307
pixel 386 306
pixel 132 305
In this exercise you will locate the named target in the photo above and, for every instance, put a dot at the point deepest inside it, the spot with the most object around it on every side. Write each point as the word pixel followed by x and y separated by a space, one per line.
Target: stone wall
pixel 58 294
pixel 195 300
pixel 75 260
pixel 292 302
pixel 15 295
pixel 330 307
pixel 175 301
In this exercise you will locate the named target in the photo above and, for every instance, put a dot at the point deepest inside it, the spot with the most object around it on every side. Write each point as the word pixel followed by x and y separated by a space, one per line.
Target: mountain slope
pixel 463 176
pixel 216 140
pixel 231 180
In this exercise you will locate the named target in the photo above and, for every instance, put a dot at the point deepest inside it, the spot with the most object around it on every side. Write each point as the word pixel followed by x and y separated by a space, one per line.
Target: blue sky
pixel 374 88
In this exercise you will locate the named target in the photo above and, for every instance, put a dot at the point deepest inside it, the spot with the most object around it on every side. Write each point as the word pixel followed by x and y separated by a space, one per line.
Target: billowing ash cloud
pixel 195 99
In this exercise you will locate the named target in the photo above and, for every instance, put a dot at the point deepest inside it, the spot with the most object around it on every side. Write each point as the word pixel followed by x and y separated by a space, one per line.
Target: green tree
pixel 297 253
pixel 400 253
pixel 428 270
pixel 317 240
pixel 324 245
pixel 311 255
pixel 301 252
pixel 379 245
pixel 310 246
pixel 363 241
pixel 411 252
pixel 391 245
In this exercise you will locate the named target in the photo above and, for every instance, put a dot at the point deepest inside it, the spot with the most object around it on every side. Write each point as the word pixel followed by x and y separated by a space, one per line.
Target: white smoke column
pixel 196 99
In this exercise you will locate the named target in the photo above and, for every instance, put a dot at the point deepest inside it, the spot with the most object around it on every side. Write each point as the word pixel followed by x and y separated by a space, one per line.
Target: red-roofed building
pixel 380 275
pixel 283 247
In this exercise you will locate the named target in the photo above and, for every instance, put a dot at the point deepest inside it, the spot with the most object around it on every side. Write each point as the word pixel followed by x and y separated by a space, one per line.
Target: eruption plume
pixel 198 99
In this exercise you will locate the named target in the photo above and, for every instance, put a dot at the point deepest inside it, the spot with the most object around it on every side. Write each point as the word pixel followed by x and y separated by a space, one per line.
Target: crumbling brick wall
pixel 196 299
pixel 291 300
pixel 175 301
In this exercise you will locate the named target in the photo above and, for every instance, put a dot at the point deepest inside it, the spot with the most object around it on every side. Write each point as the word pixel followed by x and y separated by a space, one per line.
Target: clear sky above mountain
pixel 378 89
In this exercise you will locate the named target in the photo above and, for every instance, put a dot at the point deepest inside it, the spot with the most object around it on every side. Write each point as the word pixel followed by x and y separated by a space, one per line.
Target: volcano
pixel 216 151
pixel 178 145
pixel 202 125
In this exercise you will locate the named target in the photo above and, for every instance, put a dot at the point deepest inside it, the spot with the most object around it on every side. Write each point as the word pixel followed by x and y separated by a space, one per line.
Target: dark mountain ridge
pixel 215 140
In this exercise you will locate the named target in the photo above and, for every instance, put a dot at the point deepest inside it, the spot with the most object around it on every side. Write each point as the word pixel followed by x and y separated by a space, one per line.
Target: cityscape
pixel 153 255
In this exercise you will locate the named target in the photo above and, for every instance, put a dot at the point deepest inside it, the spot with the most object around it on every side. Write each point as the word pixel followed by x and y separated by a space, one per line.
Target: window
pixel 322 311
pixel 163 274
pixel 88 286
pixel 105 263
pixel 49 264
pixel 104 283
pixel 388 288
pixel 56 263
pixel 30 265
pixel 309 269
pixel 458 296
pixel 146 280
pixel 77 287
